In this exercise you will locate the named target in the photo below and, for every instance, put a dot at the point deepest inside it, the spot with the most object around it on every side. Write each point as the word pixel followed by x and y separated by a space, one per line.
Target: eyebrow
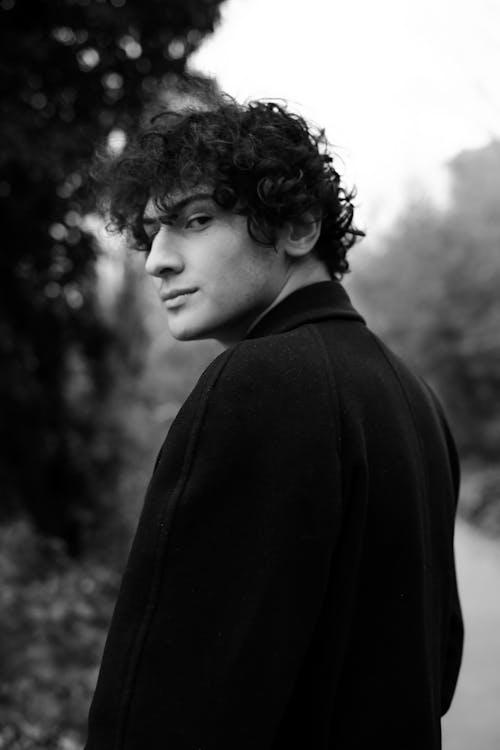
pixel 177 206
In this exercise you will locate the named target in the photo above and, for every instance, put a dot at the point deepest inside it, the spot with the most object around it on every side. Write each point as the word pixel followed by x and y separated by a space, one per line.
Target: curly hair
pixel 258 159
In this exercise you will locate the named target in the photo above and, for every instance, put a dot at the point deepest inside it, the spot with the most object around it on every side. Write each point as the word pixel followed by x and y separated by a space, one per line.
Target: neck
pixel 302 273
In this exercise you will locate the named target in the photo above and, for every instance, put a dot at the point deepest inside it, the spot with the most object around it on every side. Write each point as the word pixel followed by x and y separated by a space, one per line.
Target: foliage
pixel 55 610
pixel 480 497
pixel 73 73
pixel 55 613
pixel 432 293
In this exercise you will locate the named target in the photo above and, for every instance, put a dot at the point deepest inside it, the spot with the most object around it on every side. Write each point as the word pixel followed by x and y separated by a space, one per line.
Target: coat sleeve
pixel 455 640
pixel 240 565
pixel 455 635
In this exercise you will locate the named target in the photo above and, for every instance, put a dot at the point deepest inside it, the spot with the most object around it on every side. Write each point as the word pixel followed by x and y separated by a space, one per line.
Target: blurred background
pixel 90 379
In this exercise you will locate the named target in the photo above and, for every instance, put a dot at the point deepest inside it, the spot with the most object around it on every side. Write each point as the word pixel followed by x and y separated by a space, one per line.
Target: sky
pixel 399 85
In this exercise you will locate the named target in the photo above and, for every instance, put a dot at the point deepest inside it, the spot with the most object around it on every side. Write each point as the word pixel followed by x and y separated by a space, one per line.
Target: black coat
pixel 292 582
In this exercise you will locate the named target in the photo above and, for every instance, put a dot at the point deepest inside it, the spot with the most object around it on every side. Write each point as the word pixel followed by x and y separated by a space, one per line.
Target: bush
pixel 56 614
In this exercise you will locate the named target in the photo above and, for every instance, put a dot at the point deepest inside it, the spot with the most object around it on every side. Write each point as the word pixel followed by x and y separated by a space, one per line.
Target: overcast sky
pixel 399 85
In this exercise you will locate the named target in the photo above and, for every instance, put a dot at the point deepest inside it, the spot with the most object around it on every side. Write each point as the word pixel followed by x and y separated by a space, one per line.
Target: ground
pixel 473 721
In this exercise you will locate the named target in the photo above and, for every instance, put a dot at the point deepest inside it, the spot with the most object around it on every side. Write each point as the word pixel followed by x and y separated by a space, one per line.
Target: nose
pixel 164 256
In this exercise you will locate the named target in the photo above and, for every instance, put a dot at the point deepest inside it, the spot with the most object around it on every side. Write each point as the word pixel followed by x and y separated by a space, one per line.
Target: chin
pixel 184 328
pixel 201 333
pixel 185 335
pixel 189 332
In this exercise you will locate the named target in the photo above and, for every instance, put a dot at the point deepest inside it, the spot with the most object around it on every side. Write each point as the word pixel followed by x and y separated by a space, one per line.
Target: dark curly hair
pixel 259 160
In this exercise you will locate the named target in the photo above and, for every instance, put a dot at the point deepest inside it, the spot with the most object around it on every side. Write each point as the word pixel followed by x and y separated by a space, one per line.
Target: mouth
pixel 177 297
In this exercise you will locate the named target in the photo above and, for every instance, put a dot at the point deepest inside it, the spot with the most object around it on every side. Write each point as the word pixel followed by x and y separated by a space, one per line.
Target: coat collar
pixel 319 301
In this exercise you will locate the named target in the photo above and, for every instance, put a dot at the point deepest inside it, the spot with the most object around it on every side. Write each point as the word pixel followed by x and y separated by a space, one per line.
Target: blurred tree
pixel 432 292
pixel 73 73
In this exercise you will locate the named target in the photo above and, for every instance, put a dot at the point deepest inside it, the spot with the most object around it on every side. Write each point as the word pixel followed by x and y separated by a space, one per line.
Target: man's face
pixel 213 279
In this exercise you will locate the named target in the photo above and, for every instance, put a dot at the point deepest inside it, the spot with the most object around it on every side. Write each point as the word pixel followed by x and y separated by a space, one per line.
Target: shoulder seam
pixel 332 389
pixel 380 347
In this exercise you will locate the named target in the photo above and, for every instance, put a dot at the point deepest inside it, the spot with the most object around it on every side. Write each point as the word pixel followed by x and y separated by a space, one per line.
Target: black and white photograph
pixel 250 375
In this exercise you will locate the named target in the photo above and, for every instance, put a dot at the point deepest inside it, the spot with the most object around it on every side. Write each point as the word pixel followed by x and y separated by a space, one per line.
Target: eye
pixel 199 221
pixel 151 229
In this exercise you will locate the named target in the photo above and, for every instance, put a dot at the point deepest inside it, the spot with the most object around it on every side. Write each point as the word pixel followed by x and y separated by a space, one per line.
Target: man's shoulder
pixel 285 360
pixel 264 378
pixel 263 393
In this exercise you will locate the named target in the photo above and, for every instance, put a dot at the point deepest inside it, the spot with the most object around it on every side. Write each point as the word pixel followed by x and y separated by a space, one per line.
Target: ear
pixel 298 238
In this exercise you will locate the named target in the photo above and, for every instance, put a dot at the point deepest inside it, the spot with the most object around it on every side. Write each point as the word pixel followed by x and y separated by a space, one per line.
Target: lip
pixel 177 297
pixel 177 293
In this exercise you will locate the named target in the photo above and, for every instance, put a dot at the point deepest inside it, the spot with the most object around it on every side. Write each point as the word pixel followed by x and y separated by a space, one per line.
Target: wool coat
pixel 291 583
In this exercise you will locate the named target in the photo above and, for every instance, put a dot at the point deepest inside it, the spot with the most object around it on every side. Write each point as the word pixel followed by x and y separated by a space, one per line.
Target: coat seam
pixel 161 548
pixel 333 393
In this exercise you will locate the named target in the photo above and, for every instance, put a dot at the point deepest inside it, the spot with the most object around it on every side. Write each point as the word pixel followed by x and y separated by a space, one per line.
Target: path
pixel 473 722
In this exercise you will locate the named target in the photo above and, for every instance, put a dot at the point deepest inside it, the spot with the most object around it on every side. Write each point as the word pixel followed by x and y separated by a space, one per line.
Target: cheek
pixel 247 267
pixel 241 283
pixel 236 274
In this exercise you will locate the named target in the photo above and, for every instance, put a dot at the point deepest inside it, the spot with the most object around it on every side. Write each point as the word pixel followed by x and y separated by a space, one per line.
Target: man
pixel 292 582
